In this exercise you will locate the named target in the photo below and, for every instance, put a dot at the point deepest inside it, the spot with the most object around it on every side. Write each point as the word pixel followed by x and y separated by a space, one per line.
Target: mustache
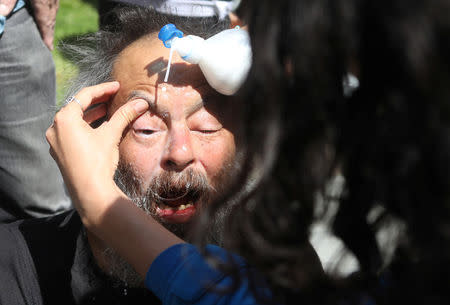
pixel 171 186
pixel 164 188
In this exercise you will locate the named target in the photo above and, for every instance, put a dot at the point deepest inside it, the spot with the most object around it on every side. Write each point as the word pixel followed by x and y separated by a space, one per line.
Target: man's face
pixel 175 157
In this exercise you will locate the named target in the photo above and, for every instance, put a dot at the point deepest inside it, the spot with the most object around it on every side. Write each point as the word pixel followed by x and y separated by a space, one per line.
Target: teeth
pixel 182 207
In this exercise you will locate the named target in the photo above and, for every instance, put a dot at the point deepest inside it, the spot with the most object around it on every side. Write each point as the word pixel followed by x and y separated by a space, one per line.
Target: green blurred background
pixel 74 18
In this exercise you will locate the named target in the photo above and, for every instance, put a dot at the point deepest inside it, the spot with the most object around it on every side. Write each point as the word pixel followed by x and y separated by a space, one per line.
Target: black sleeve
pixel 18 279
pixel 51 244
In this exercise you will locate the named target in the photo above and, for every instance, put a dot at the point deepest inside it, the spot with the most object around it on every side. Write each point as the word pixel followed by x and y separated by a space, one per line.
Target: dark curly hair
pixel 390 140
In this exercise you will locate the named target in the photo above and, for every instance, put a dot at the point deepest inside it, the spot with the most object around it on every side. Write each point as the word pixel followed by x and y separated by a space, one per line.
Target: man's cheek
pixel 217 157
pixel 144 160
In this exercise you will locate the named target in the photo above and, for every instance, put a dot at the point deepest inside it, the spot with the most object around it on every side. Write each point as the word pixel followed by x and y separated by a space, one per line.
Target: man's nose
pixel 178 153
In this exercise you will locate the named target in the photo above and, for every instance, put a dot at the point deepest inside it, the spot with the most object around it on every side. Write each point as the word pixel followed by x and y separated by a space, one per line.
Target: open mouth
pixel 176 208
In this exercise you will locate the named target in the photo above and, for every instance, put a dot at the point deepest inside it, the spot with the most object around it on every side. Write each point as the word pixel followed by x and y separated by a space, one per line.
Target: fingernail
pixel 115 83
pixel 140 106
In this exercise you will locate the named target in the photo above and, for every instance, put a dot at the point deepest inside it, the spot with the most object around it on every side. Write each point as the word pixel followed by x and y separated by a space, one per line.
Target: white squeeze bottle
pixel 224 58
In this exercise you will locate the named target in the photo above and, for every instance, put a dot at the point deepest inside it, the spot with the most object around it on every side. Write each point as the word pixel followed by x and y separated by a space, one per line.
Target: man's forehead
pixel 148 58
pixel 157 66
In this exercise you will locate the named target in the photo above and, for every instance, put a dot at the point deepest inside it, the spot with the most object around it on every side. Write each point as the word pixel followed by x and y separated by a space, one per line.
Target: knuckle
pixel 49 135
pixel 58 118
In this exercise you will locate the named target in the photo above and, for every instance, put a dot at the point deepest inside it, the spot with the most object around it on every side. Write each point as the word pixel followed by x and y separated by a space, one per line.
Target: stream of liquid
pixel 168 65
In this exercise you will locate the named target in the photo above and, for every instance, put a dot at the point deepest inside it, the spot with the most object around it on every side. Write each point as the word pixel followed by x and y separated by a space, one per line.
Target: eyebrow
pixel 163 114
pixel 151 103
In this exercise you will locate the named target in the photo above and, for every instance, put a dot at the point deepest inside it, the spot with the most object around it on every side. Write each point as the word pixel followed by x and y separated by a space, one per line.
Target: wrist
pixel 96 201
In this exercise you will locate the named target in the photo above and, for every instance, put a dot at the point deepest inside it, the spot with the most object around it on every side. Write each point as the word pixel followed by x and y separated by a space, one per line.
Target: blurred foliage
pixel 74 18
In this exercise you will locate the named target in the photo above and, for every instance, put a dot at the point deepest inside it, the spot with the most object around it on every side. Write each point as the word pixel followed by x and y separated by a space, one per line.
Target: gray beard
pixel 128 181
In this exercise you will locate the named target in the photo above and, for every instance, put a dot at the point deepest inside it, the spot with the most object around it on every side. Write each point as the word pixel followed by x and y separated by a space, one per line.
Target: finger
pixel 6 7
pixel 48 41
pixel 93 95
pixel 45 18
pixel 125 115
pixel 47 37
pixel 92 115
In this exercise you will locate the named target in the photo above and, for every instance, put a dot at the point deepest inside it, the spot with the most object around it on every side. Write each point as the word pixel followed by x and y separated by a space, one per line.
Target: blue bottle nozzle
pixel 167 33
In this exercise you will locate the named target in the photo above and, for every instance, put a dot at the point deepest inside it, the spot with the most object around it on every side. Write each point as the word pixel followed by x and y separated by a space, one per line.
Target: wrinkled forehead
pixel 140 68
pixel 144 63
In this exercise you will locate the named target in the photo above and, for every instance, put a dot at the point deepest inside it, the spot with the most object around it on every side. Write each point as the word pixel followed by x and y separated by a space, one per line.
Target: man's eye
pixel 207 131
pixel 144 132
pixel 205 128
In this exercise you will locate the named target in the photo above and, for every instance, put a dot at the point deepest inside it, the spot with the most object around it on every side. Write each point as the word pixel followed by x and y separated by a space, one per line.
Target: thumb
pixel 6 7
pixel 125 115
